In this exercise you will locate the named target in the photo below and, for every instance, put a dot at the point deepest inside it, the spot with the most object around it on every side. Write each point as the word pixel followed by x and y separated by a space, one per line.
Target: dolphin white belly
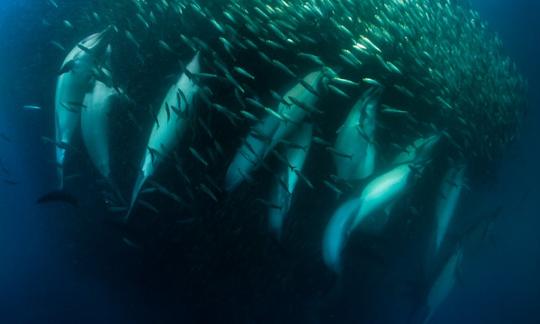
pixel 170 127
pixel 95 126
pixel 280 196
pixel 265 135
pixel 382 191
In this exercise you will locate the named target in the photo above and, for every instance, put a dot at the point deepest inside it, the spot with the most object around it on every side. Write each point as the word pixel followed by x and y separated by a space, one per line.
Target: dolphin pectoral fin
pixel 337 232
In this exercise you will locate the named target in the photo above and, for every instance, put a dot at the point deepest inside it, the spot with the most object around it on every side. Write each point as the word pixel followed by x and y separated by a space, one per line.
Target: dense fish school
pixel 399 94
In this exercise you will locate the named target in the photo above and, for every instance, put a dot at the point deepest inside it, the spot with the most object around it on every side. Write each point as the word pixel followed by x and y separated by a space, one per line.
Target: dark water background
pixel 60 265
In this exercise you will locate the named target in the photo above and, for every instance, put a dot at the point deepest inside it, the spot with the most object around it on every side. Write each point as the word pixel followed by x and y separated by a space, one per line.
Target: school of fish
pixel 404 86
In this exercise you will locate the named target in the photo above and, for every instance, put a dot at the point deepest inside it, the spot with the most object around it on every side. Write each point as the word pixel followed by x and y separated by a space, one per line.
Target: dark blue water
pixel 66 265
pixel 502 283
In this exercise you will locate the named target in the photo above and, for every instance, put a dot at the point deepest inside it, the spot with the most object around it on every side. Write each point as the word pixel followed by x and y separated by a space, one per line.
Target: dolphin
pixel 95 121
pixel 283 188
pixel 75 80
pixel 449 193
pixel 379 194
pixel 356 138
pixel 272 129
pixel 172 122
pixel 444 283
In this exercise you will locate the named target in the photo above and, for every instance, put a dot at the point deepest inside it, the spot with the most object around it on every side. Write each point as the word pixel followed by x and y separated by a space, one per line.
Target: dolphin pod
pixel 171 123
pixel 285 127
pixel 75 80
pixel 276 126
pixel 403 70
pixel 379 194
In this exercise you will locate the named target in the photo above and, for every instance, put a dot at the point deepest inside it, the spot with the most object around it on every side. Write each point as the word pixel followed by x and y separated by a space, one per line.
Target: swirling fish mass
pixel 379 108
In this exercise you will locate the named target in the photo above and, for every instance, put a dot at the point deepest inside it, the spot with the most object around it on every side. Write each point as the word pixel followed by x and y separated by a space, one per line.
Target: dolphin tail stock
pixel 60 157
pixel 116 190
pixel 418 314
pixel 139 183
pixel 60 176
pixel 277 213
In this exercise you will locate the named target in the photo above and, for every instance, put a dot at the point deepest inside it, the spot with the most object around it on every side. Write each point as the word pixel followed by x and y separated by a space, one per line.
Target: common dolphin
pixel 378 194
pixel 169 127
pixel 443 284
pixel 283 188
pixel 447 201
pixel 95 121
pixel 73 83
pixel 356 138
pixel 272 129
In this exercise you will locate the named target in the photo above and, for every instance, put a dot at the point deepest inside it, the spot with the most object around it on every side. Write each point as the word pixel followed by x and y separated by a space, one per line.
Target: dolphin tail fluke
pixel 141 179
